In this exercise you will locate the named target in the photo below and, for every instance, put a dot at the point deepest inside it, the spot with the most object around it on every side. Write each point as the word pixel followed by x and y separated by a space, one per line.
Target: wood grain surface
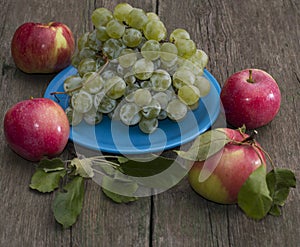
pixel 236 35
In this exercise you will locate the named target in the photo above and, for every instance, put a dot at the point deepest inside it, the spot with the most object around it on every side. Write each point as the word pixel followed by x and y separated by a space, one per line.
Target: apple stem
pixel 251 137
pixel 267 154
pixel 250 79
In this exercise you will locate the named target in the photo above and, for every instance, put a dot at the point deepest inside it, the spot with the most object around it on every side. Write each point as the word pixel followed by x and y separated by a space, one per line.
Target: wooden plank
pixel 26 218
pixel 103 222
pixel 261 34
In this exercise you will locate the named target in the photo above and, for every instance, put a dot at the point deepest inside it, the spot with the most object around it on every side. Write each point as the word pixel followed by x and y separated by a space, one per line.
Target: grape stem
pixel 90 78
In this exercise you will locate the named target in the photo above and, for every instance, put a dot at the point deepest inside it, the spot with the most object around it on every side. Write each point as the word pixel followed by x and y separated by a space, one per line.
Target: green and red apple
pixel 42 48
pixel 220 177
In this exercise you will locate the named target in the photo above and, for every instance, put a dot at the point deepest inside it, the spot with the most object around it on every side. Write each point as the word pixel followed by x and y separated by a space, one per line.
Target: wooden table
pixel 236 35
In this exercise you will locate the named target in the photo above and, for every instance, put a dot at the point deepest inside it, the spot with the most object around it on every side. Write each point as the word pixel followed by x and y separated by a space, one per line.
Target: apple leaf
pixel 48 165
pixel 67 204
pixel 145 168
pixel 254 196
pixel 83 167
pixel 279 182
pixel 118 198
pixel 120 191
pixel 46 181
pixel 205 145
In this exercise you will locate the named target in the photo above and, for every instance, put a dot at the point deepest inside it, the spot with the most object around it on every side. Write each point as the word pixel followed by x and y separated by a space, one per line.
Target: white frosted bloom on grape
pixel 143 69
pixel 82 102
pixel 176 110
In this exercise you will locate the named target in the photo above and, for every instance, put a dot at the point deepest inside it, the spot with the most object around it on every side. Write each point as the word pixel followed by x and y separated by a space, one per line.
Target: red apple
pixel 219 178
pixel 250 97
pixel 42 48
pixel 36 128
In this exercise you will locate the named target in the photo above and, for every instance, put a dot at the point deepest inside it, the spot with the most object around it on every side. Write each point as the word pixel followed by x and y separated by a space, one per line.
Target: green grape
pixel 189 94
pixel 152 16
pixel 75 58
pixel 107 74
pixel 82 41
pixel 156 30
pixel 186 47
pixel 137 18
pixel 93 82
pixel 171 94
pixel 103 103
pixel 183 77
pixel 151 110
pixel 115 87
pixel 101 16
pixel 161 80
pixel 121 11
pixel 168 52
pixel 112 48
pixel 162 98
pixel 74 117
pixel 142 97
pixel 200 58
pixel 162 115
pixel 130 113
pixel 143 69
pixel 146 84
pixel 148 126
pixel 92 117
pixel 71 83
pixel 132 37
pixel 194 106
pixel 150 50
pixel 203 85
pixel 115 29
pixel 86 65
pixel 127 58
pixel 101 34
pixel 82 102
pixel 129 78
pixel 176 110
pixel 170 66
pixel 87 52
pixel 93 41
pixel 189 65
pixel 179 33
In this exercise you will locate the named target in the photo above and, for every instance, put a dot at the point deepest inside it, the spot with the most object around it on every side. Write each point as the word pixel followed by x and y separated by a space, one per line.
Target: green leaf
pixel 254 196
pixel 206 145
pixel 83 167
pixel 50 165
pixel 275 210
pixel 145 168
pixel 127 188
pixel 279 181
pixel 67 205
pixel 46 181
pixel 159 173
pixel 118 198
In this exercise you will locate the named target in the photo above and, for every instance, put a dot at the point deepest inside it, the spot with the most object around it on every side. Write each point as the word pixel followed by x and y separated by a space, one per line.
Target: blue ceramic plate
pixel 114 137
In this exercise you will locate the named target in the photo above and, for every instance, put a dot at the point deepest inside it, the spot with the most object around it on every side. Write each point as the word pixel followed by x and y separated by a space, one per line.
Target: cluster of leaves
pixel 122 178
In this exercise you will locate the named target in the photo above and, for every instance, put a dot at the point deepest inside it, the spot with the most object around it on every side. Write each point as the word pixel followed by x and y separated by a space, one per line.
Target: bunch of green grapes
pixel 130 70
